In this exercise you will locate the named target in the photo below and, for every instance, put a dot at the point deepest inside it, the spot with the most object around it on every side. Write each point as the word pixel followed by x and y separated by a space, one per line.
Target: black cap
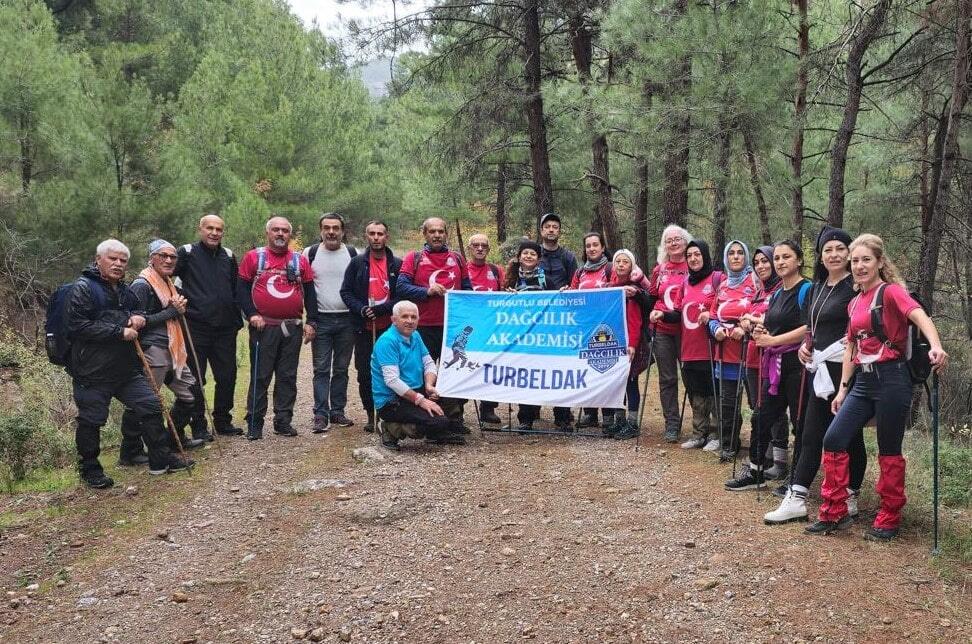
pixel 829 233
pixel 532 245
pixel 548 217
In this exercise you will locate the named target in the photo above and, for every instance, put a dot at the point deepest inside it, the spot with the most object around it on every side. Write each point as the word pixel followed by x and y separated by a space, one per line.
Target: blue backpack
pixel 57 342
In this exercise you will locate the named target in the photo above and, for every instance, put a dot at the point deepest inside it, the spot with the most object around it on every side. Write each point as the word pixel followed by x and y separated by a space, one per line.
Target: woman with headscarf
pixel 826 317
pixel 594 273
pixel 770 283
pixel 731 303
pixel 777 334
pixel 666 283
pixel 631 278
pixel 696 350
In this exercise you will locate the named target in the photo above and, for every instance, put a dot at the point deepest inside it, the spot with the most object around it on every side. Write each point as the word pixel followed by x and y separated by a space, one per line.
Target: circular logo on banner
pixel 603 349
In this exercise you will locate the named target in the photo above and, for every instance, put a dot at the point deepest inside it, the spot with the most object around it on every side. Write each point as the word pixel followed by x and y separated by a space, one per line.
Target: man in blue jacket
pixel 368 291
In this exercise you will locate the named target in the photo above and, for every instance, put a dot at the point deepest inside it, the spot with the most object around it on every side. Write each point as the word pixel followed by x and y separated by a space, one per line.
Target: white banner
pixel 563 349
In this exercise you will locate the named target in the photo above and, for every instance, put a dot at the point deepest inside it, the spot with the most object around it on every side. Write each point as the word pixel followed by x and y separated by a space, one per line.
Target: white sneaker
pixel 693 443
pixel 852 509
pixel 712 446
pixel 793 508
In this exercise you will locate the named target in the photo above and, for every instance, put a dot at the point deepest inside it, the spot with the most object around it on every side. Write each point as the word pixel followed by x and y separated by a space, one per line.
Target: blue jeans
pixel 332 348
pixel 883 392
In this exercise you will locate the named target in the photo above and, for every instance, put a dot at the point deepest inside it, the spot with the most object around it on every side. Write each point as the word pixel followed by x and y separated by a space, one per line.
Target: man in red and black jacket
pixel 369 292
pixel 484 276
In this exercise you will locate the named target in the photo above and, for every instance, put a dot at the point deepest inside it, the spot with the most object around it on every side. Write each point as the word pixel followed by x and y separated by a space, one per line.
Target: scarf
pixel 774 279
pixel 735 278
pixel 590 266
pixel 164 290
pixel 694 277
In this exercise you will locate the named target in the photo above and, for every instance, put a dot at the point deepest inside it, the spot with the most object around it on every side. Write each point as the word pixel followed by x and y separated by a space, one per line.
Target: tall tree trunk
pixel 675 191
pixel 641 211
pixel 501 202
pixel 604 219
pixel 721 214
pixel 853 75
pixel 967 252
pixel 932 242
pixel 26 152
pixel 764 229
pixel 533 106
pixel 937 152
pixel 799 119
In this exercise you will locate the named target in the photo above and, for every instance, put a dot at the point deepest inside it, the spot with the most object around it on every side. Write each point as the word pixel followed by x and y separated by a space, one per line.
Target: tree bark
pixel 854 77
pixel 604 219
pixel 932 242
pixel 533 107
pixel 799 119
pixel 641 211
pixel 26 152
pixel 764 229
pixel 501 203
pixel 721 214
pixel 675 192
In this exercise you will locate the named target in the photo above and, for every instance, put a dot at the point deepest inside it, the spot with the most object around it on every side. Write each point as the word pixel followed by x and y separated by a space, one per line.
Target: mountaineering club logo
pixel 603 349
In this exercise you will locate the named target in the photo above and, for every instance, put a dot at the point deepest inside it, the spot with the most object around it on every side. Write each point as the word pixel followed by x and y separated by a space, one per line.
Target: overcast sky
pixel 330 14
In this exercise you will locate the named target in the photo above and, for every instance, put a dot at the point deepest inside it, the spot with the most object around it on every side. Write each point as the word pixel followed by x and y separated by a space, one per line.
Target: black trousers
pixel 273 356
pixel 93 400
pixel 772 408
pixel 363 346
pixel 815 423
pixel 216 348
pixel 403 411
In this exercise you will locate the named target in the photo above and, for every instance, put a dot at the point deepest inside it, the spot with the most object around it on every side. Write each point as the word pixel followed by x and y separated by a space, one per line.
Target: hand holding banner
pixel 562 349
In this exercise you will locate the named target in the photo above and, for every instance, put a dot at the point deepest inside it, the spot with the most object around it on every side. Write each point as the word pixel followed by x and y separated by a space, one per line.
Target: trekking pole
pixel 199 382
pixel 253 383
pixel 735 441
pixel 802 403
pixel 681 414
pixel 758 424
pixel 934 410
pixel 158 394
pixel 644 390
pixel 716 389
pixel 374 337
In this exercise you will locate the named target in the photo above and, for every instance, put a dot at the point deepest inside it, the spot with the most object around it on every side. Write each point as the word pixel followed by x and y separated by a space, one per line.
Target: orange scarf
pixel 164 290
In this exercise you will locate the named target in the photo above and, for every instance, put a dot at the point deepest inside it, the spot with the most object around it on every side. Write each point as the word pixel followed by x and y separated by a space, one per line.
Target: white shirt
pixel 329 267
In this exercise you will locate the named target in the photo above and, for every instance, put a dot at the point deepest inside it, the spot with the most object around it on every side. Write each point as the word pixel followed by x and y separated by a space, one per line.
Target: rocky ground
pixel 509 538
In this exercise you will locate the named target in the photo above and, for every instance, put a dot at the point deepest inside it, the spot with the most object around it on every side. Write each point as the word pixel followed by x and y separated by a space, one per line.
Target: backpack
pixel 293 266
pixel 801 294
pixel 916 346
pixel 57 342
pixel 416 258
pixel 312 251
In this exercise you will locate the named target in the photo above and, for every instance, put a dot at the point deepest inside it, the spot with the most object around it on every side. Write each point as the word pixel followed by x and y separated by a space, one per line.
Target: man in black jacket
pixel 103 323
pixel 208 272
pixel 368 291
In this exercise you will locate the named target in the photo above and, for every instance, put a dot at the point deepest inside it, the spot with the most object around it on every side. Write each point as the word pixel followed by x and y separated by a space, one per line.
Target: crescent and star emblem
pixel 275 292
pixel 385 285
pixel 667 297
pixel 434 277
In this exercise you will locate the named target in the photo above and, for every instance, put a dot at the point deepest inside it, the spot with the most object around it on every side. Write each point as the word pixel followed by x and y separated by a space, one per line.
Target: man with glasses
pixel 164 344
pixel 207 271
pixel 484 276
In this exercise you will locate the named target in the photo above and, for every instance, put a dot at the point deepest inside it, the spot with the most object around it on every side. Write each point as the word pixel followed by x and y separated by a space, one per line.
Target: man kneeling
pixel 403 383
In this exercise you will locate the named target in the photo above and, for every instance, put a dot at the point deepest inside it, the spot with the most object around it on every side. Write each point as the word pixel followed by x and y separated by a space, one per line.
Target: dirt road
pixel 506 539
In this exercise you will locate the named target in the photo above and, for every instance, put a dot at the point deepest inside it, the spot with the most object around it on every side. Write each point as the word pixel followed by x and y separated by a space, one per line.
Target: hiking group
pixel 833 353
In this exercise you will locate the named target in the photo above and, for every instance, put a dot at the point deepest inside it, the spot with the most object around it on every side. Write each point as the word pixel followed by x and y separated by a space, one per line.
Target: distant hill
pixel 375 75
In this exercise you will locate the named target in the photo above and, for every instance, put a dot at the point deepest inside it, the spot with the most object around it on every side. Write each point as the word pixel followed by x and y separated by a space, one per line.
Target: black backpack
pixel 57 342
pixel 916 346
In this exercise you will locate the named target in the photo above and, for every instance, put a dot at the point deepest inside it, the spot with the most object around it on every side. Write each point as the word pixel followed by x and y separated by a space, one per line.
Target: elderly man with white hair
pixel 102 325
pixel 403 377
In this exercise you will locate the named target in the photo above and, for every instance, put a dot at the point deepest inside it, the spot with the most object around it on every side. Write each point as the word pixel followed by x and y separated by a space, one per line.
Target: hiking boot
pixel 229 430
pixel 489 417
pixel 587 420
pixel 882 535
pixel 459 427
pixel 564 426
pixel 627 430
pixel 369 427
pixel 284 430
pixel 712 446
pixel 829 527
pixel 188 443
pixel 852 509
pixel 97 480
pixel 341 420
pixel 781 491
pixel 134 460
pixel 793 508
pixel 174 464
pixel 694 443
pixel 750 479
pixel 672 434
pixel 320 425
pixel 255 433
pixel 524 428
pixel 446 439
pixel 776 472
pixel 612 430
